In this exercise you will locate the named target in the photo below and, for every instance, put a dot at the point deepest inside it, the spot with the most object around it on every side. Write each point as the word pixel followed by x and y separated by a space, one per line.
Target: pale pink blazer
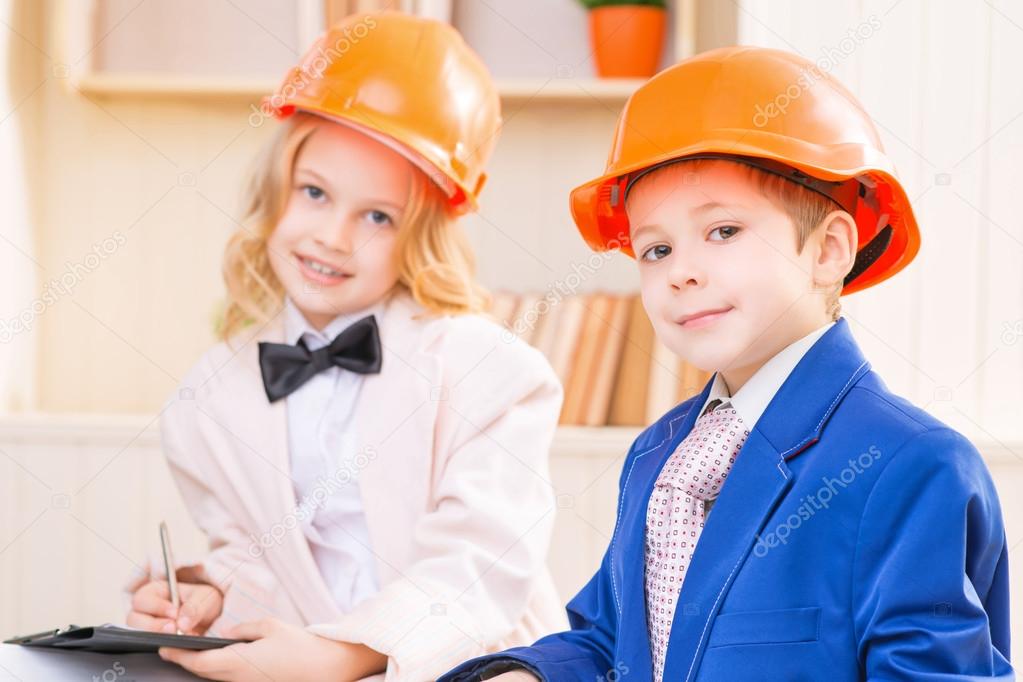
pixel 456 431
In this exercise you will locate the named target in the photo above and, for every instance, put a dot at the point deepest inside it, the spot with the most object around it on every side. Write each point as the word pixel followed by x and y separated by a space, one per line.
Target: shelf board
pixel 569 89
pixel 596 90
pixel 594 441
pixel 159 85
pixel 142 430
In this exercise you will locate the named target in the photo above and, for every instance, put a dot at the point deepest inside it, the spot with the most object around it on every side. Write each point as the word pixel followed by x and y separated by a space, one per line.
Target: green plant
pixel 594 4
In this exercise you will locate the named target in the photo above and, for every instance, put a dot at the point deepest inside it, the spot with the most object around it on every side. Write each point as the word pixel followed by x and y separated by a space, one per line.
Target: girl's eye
pixel 655 253
pixel 313 192
pixel 378 218
pixel 726 232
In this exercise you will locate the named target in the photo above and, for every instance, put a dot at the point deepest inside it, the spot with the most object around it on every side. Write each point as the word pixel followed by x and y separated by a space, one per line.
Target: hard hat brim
pixel 598 206
pixel 402 142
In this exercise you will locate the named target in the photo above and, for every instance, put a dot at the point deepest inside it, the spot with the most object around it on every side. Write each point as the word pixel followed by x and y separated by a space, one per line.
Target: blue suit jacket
pixel 856 538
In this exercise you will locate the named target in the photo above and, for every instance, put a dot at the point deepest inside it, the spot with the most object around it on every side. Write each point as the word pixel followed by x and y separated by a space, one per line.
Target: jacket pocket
pixel 766 627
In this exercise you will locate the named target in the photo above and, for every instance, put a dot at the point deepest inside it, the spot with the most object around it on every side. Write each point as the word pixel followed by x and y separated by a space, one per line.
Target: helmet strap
pixel 869 254
pixel 846 193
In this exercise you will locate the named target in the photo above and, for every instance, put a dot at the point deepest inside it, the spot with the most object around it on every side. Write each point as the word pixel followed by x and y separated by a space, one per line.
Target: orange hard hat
pixel 769 109
pixel 409 82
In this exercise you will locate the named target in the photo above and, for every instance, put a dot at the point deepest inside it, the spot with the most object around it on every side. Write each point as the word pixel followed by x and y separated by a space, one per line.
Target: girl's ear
pixel 838 239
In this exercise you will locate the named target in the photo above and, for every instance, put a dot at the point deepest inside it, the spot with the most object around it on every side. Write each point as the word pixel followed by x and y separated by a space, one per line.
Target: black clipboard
pixel 112 639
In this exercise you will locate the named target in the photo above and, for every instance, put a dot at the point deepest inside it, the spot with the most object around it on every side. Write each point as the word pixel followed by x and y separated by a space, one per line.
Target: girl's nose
pixel 336 236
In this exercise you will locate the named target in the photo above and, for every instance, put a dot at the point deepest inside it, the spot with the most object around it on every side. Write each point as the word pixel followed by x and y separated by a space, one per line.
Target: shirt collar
pixel 752 399
pixel 296 326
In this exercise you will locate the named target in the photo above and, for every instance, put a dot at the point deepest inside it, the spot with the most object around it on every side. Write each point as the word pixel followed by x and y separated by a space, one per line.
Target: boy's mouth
pixel 319 271
pixel 702 318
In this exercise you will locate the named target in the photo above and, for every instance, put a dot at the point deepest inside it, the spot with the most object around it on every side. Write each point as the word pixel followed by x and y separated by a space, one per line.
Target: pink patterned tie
pixel 675 514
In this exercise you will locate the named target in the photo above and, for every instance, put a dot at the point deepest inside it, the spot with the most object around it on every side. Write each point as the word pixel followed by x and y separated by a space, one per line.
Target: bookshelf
pixel 537 50
pixel 160 98
pixel 227 58
pixel 603 348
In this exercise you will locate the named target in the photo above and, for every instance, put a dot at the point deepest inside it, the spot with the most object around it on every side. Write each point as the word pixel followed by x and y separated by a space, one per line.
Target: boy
pixel 853 536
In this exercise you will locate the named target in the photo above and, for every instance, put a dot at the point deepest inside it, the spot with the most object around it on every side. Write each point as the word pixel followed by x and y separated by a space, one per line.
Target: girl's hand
pixel 151 608
pixel 279 652
pixel 516 676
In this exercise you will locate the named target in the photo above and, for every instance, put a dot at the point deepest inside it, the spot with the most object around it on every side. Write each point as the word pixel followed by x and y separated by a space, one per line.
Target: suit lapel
pixel 394 423
pixel 272 502
pixel 256 432
pixel 759 480
pixel 630 538
pixel 394 414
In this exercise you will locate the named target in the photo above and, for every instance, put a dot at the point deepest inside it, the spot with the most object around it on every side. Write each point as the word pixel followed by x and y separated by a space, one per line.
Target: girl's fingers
pixel 189 590
pixel 143 621
pixel 153 599
pixel 201 606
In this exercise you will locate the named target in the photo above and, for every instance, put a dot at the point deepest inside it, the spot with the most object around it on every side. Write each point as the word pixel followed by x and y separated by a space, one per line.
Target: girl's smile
pixel 320 272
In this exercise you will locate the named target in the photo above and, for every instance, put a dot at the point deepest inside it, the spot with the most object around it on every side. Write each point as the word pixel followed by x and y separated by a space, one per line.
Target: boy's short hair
pixel 804 207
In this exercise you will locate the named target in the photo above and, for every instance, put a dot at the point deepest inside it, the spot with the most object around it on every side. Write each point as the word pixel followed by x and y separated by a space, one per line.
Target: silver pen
pixel 168 563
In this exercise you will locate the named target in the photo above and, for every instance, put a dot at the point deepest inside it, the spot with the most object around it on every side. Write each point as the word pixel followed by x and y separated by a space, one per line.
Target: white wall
pixel 941 81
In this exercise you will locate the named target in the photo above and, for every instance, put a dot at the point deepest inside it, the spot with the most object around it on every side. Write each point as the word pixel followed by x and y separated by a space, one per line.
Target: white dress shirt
pixel 752 399
pixel 324 465
pixel 756 394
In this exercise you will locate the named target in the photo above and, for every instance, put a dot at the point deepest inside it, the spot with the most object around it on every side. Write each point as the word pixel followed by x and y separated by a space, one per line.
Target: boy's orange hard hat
pixel 769 109
pixel 411 83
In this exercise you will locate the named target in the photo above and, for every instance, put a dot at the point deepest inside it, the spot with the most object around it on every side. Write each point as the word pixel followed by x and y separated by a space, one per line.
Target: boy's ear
pixel 837 240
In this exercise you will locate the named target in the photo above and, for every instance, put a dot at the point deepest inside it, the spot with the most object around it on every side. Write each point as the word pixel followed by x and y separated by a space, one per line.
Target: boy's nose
pixel 682 275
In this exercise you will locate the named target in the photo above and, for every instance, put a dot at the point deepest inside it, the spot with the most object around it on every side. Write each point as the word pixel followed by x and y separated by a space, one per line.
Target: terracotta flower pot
pixel 627 40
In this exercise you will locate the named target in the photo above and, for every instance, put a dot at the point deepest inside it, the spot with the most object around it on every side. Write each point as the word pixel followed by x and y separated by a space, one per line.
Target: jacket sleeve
pixel 930 575
pixel 585 652
pixel 234 563
pixel 478 549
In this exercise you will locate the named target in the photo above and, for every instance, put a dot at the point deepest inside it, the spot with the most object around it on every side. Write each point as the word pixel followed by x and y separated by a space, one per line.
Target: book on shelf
pixel 602 346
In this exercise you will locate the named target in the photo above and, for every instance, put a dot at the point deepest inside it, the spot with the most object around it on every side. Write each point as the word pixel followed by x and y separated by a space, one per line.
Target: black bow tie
pixel 285 368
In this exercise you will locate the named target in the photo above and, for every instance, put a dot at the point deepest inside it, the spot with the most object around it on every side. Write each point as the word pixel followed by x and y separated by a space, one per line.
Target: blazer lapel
pixel 759 480
pixel 627 559
pixel 255 430
pixel 394 422
pixel 394 415
pixel 260 438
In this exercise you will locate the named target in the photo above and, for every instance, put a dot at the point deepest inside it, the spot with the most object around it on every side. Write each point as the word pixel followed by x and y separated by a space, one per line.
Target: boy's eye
pixel 378 218
pixel 313 192
pixel 656 252
pixel 726 232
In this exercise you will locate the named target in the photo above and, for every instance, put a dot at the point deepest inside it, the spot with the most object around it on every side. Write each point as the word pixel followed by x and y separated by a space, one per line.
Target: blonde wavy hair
pixel 435 262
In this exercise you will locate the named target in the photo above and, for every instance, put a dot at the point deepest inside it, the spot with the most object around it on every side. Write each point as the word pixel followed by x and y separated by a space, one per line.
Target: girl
pixel 367 455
